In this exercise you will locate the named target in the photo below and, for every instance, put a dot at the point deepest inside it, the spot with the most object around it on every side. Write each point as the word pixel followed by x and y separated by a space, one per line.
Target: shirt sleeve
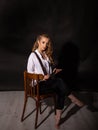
pixel 30 64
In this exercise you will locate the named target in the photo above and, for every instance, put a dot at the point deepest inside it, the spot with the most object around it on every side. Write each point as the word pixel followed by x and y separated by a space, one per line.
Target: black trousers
pixel 58 86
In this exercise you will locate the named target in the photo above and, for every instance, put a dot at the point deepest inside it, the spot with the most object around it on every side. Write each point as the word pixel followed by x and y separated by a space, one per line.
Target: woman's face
pixel 43 43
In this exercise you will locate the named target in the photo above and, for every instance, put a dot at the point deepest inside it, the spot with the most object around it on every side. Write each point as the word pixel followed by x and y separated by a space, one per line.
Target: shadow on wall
pixel 68 60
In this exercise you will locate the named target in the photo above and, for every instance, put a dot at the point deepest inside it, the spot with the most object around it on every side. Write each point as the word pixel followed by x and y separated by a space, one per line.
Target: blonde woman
pixel 42 48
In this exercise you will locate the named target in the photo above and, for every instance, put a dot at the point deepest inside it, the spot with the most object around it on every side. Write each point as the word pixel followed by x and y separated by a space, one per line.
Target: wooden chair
pixel 32 90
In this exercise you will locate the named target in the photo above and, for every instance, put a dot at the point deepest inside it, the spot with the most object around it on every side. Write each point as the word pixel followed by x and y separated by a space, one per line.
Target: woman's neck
pixel 42 53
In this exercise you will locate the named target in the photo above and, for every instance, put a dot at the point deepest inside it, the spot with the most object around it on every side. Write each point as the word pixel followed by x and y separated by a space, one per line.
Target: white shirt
pixel 33 65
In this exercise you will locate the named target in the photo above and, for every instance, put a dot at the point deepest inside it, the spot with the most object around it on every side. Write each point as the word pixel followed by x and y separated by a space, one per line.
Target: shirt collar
pixel 40 55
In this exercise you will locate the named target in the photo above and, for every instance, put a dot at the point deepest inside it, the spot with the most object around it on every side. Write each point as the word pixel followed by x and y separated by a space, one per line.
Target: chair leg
pixel 40 107
pixel 25 102
pixel 37 109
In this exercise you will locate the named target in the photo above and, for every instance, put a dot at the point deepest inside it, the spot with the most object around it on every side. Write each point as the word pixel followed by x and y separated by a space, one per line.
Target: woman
pixel 43 49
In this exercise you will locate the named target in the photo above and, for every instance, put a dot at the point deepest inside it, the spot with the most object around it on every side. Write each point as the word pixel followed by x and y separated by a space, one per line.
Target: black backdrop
pixel 64 20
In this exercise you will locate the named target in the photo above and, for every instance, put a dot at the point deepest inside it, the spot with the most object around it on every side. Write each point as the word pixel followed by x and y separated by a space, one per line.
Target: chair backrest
pixel 31 89
pixel 31 84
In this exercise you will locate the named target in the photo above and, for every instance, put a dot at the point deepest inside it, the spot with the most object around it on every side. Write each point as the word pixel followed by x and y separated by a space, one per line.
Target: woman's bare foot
pixel 57 118
pixel 79 103
pixel 57 127
pixel 57 121
pixel 76 100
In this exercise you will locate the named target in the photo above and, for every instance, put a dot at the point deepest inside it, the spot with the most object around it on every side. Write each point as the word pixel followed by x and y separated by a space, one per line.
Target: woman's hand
pixel 56 70
pixel 46 77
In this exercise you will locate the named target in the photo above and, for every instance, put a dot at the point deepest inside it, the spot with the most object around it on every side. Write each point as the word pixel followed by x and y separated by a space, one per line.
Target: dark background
pixel 64 20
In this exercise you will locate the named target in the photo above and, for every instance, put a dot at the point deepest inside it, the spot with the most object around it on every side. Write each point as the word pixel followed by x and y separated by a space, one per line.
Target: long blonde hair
pixel 49 50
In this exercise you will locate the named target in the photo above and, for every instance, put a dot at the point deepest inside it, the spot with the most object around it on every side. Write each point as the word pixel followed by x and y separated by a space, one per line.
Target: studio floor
pixel 73 118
